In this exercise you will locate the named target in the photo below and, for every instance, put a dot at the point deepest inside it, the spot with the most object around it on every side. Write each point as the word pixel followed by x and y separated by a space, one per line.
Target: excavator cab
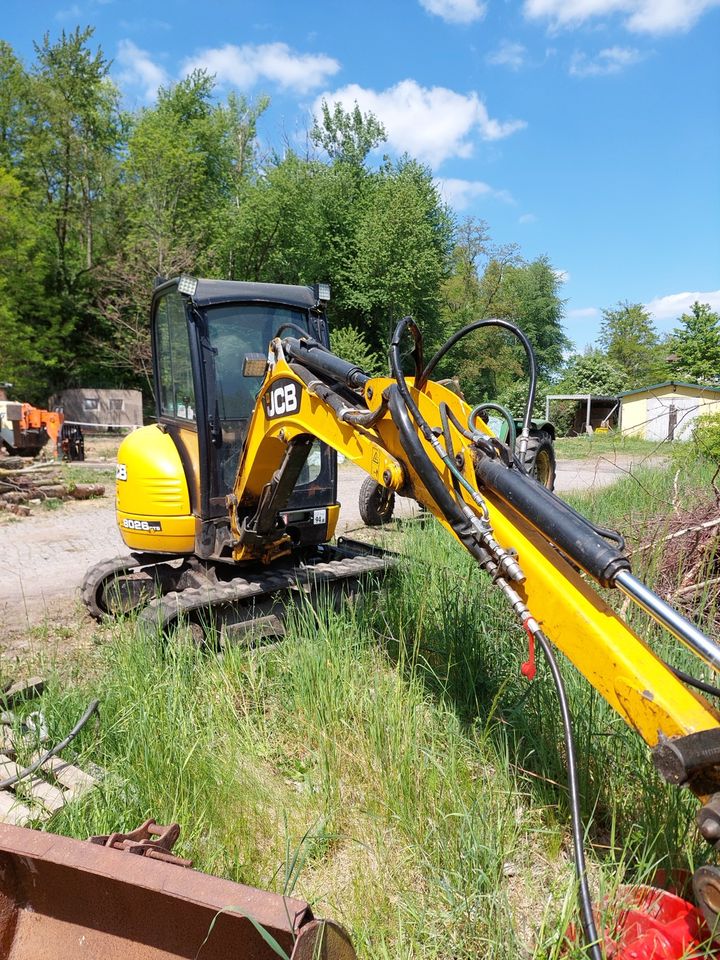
pixel 172 489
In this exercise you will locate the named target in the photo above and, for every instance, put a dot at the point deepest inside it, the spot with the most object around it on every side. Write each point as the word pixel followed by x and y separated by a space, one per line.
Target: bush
pixel 706 436
pixel 350 344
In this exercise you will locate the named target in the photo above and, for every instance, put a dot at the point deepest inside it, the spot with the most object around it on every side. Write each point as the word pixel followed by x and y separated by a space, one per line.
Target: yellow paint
pixel 333 515
pixel 155 489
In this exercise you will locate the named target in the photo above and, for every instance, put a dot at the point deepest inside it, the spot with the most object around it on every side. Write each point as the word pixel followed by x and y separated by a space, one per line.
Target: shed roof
pixel 699 387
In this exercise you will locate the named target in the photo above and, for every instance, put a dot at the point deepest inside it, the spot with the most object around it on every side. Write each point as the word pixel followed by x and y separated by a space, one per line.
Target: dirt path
pixel 43 558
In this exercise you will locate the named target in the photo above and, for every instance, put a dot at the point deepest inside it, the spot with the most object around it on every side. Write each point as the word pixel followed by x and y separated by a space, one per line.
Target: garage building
pixel 666 411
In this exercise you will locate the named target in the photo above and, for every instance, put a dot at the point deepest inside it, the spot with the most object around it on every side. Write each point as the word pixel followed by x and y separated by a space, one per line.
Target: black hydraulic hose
pixel 431 479
pixel 694 682
pixel 407 323
pixel 603 532
pixel 21 774
pixel 503 325
pixel 586 907
pixel 503 411
pixel 289 325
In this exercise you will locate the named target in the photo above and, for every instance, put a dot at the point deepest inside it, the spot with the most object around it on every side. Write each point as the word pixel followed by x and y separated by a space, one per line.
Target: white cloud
pixel 607 61
pixel 666 310
pixel 431 123
pixel 138 70
pixel 508 54
pixel 461 193
pixel 641 16
pixel 527 218
pixel 270 62
pixel 456 11
pixel 562 276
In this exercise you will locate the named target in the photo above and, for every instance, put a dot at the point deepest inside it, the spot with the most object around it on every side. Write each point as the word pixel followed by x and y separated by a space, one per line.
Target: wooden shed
pixel 100 408
pixel 666 411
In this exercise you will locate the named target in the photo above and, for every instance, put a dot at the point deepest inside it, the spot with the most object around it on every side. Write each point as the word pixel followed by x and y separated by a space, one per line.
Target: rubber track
pixel 95 576
pixel 162 612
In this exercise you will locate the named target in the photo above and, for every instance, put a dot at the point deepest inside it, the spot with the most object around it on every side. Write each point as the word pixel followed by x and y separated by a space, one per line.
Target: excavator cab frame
pixel 201 331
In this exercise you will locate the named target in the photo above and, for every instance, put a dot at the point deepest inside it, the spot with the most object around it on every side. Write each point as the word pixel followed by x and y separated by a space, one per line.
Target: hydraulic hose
pixel 407 323
pixel 503 411
pixel 586 910
pixel 21 774
pixel 502 325
pixel 402 408
pixel 431 479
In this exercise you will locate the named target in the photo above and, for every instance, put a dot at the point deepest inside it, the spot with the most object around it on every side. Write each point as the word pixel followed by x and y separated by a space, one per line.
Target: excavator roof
pixel 230 291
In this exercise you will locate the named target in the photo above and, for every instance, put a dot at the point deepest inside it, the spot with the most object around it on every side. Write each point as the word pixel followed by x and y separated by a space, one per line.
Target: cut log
pixel 15 463
pixel 50 490
pixel 17 508
pixel 84 491
pixel 14 496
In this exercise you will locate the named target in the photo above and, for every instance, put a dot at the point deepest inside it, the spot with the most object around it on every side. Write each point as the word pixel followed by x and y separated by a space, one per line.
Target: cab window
pixel 235 331
pixel 177 393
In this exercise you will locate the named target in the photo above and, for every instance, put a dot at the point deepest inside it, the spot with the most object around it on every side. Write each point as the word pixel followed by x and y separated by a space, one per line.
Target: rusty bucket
pixel 63 898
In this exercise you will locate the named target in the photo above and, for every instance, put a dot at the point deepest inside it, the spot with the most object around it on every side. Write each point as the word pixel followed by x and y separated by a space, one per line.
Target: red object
pixel 528 669
pixel 646 923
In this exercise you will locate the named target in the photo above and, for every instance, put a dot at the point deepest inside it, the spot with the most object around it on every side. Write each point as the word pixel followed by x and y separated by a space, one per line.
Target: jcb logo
pixel 282 398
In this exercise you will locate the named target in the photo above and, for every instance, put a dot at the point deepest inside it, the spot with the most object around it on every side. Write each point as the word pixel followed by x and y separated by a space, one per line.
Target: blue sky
pixel 587 130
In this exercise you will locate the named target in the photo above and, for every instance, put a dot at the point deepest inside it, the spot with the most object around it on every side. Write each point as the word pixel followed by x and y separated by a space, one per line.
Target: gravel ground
pixel 43 557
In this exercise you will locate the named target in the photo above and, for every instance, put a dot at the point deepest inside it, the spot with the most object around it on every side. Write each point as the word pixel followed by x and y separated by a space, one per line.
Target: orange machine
pixel 25 429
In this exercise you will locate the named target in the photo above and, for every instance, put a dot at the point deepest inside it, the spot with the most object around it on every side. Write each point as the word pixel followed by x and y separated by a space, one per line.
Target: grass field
pixel 387 762
pixel 607 444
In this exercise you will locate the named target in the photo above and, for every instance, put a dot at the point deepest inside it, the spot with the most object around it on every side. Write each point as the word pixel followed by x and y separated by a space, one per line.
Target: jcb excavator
pixel 228 506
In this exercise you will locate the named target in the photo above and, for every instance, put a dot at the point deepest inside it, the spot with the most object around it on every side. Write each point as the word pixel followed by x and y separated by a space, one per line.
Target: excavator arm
pixel 537 548
pixel 420 439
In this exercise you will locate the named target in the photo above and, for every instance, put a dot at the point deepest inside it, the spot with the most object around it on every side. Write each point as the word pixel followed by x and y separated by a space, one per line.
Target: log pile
pixel 23 483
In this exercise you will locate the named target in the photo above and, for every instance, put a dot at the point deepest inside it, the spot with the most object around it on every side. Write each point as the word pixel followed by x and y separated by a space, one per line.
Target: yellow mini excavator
pixel 228 505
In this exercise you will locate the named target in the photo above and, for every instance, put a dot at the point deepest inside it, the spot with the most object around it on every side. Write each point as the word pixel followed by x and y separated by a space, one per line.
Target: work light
pixel 322 292
pixel 187 285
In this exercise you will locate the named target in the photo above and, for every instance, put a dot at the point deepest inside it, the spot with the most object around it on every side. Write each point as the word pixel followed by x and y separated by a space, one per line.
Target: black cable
pixel 503 325
pixel 586 910
pixel 289 325
pixel 21 774
pixel 694 682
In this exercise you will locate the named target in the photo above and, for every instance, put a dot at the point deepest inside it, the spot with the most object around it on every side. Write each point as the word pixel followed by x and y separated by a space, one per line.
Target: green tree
pixel 631 343
pixel 70 166
pixel 696 342
pixel 592 372
pixel 188 161
pixel 14 107
pixel 351 344
pixel 402 239
pixel 509 288
pixel 347 136
pixel 26 358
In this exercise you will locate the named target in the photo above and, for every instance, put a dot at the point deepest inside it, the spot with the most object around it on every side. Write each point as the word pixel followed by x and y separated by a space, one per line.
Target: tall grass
pixel 386 761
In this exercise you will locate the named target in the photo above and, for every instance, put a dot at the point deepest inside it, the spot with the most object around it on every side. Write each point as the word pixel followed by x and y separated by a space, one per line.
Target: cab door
pixel 177 400
pixel 231 331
